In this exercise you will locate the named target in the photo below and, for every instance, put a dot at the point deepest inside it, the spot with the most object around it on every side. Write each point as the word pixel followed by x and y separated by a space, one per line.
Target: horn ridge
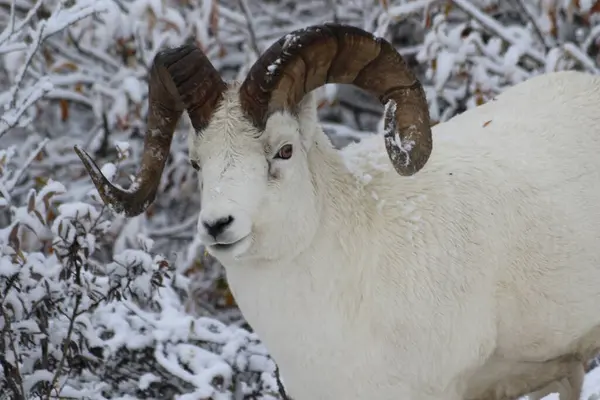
pixel 180 78
pixel 308 58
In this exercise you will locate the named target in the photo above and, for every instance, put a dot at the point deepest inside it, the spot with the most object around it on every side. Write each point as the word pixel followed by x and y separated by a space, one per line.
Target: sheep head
pixel 252 141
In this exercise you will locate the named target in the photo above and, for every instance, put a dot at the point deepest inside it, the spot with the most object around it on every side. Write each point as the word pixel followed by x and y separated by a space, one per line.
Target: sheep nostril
pixel 218 226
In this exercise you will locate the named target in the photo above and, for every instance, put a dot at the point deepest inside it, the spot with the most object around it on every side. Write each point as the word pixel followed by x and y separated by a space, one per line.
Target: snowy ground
pixel 591 387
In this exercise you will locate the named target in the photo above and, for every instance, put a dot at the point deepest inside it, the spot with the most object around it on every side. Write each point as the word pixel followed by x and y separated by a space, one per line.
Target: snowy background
pixel 95 306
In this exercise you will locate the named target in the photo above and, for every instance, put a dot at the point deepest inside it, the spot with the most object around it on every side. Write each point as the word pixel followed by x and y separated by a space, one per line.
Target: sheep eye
pixel 195 165
pixel 285 152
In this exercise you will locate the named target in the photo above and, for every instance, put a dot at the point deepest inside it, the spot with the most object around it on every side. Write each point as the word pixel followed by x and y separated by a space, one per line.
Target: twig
pixel 95 70
pixel 11 22
pixel 31 51
pixel 250 25
pixel 18 7
pixel 17 175
pixel 56 25
pixel 12 117
pixel 91 52
pixel 581 57
pixel 333 6
pixel 65 349
pixel 496 28
pixel 186 225
pixel 535 26
pixel 8 32
pixel 8 331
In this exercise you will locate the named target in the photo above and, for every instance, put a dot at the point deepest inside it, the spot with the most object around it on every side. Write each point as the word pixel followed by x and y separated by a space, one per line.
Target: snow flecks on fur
pixel 411 214
pixel 364 159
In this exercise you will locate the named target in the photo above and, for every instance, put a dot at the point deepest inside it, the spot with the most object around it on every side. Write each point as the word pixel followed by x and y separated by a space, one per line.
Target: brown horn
pixel 180 78
pixel 332 53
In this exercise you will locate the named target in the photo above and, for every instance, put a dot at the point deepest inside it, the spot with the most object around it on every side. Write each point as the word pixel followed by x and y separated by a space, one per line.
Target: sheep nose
pixel 216 227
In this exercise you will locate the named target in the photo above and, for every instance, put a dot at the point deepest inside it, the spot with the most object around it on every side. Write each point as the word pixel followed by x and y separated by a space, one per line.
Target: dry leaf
pixel 68 65
pixel 31 202
pixel 553 22
pixel 229 300
pixel 40 181
pixel 50 216
pixel 64 109
pixel 39 217
pixel 448 8
pixel 169 25
pixel 13 238
pixel 214 18
pixel 46 199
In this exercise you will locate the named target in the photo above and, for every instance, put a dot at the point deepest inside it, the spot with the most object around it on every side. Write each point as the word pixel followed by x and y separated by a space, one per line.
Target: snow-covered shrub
pixel 96 306
pixel 75 326
pixel 475 49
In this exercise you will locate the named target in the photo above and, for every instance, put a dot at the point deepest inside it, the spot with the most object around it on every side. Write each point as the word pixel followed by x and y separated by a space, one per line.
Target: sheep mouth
pixel 224 246
pixel 229 246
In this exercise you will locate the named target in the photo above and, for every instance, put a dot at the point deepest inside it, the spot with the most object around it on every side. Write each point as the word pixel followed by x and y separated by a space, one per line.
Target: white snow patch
pixel 109 170
pixel 134 88
pixel 146 380
pixel 365 158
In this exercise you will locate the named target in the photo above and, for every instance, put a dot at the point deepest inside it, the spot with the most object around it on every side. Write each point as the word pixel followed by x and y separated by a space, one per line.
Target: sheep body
pixel 476 278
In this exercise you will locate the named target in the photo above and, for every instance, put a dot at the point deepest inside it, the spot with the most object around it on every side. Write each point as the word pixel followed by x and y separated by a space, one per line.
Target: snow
pixel 152 313
pixel 408 8
pixel 147 379
pixel 109 170
pixel 134 88
pixel 364 161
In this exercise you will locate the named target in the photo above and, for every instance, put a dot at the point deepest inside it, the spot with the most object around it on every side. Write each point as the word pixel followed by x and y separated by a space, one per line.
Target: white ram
pixel 465 270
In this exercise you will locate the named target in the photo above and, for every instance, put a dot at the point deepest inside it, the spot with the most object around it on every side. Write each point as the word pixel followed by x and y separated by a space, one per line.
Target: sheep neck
pixel 305 302
pixel 329 265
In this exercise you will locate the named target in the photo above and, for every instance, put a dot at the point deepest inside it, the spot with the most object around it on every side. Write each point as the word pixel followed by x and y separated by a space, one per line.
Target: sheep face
pixel 257 194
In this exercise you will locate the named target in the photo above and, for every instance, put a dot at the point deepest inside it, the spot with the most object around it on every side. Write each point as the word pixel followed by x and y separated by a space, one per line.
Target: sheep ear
pixel 307 118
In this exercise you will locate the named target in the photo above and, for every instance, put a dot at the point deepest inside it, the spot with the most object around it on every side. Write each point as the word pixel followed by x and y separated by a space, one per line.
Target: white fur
pixel 478 277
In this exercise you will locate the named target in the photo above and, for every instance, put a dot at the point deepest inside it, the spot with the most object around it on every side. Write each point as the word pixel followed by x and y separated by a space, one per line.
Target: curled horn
pixel 180 78
pixel 332 53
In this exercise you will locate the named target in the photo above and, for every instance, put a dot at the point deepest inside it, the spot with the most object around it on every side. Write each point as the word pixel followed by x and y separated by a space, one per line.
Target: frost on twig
pixel 475 49
pixel 22 61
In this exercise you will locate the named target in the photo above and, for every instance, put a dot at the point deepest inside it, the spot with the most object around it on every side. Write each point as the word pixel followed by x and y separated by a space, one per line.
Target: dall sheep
pixel 391 269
